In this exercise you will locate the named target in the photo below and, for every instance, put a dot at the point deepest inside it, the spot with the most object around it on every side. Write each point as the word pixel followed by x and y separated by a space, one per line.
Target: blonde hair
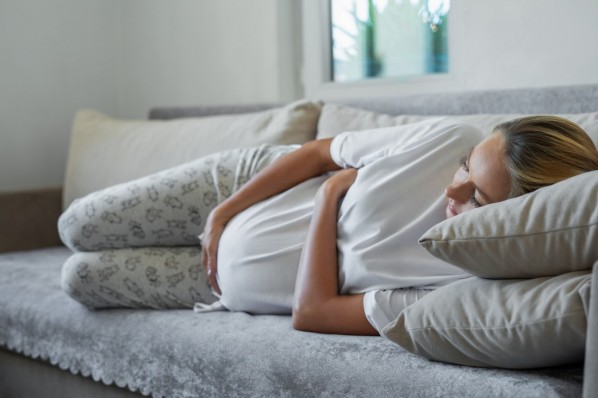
pixel 543 150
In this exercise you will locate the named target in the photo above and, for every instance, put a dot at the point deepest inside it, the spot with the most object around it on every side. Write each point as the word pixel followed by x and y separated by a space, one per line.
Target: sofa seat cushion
pixel 178 353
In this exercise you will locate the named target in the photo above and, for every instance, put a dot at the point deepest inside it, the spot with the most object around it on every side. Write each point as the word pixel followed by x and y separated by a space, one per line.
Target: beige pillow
pixel 498 323
pixel 336 119
pixel 106 151
pixel 544 233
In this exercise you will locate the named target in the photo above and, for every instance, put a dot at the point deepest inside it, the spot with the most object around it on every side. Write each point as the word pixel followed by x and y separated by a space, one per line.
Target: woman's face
pixel 481 179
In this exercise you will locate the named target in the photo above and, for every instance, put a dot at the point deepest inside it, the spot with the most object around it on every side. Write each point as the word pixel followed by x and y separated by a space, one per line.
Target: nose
pixel 459 191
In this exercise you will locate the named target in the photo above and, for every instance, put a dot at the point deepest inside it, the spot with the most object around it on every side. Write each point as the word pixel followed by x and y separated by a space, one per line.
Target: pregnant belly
pixel 260 248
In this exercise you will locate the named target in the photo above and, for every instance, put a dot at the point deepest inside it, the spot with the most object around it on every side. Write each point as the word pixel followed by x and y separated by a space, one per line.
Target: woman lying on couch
pixel 339 251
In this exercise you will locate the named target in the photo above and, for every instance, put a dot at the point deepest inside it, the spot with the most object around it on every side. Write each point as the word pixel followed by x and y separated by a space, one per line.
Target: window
pixel 373 39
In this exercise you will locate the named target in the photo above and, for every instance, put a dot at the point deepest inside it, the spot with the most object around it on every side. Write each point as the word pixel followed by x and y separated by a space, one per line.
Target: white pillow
pixel 106 151
pixel 547 232
pixel 512 323
pixel 336 119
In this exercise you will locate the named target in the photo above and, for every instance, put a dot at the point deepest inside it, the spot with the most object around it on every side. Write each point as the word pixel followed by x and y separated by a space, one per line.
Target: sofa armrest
pixel 590 379
pixel 28 219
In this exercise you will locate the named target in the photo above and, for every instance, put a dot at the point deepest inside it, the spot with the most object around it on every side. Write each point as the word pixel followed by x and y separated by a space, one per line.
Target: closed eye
pixel 465 166
pixel 463 163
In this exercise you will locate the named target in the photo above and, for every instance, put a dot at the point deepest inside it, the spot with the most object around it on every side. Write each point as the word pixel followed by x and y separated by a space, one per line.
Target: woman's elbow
pixel 306 319
pixel 320 154
pixel 299 322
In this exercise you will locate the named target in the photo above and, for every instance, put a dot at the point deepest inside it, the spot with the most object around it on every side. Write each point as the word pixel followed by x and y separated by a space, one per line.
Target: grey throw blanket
pixel 176 353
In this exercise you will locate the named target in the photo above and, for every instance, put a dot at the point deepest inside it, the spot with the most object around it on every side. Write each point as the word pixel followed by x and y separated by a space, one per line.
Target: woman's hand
pixel 209 246
pixel 311 160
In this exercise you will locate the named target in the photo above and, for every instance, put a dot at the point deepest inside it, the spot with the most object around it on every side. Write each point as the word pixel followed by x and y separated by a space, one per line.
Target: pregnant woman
pixel 327 231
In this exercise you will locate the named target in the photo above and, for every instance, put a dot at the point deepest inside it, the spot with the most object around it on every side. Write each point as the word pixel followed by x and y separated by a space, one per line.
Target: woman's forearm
pixel 311 160
pixel 318 307
pixel 317 278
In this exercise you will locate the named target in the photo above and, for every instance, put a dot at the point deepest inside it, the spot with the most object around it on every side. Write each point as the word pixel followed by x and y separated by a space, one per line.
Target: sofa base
pixel 22 377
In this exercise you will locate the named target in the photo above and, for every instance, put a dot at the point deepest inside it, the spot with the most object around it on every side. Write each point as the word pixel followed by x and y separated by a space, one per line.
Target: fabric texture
pixel 156 277
pixel 539 100
pixel 337 118
pixel 176 353
pixel 106 151
pixel 168 208
pixel 548 232
pixel 516 324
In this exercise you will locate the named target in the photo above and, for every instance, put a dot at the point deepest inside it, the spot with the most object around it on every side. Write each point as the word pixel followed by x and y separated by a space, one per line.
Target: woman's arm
pixel 318 307
pixel 311 160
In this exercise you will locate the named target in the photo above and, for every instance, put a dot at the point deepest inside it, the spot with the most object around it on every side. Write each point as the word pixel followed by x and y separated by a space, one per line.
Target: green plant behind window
pixel 388 38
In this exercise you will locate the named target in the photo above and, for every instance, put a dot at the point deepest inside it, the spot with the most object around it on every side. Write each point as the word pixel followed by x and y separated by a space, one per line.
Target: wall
pixel 492 44
pixel 204 52
pixel 125 56
pixel 55 56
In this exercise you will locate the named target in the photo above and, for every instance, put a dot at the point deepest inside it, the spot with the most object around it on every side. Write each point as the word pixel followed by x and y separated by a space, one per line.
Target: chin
pixel 449 213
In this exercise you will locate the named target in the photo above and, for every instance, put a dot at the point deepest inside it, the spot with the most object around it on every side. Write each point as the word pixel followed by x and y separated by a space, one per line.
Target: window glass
pixel 388 38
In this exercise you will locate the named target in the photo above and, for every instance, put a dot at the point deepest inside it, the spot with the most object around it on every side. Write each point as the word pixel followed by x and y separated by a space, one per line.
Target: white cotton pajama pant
pixel 136 244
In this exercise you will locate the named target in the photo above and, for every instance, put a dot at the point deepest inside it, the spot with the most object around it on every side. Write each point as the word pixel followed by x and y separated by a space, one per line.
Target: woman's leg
pixel 168 208
pixel 137 278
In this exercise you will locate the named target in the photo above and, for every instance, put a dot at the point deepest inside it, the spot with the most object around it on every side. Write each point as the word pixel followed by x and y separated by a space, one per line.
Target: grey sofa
pixel 53 347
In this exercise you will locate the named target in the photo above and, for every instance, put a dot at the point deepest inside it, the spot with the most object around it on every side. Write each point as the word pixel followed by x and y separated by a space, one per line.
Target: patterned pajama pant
pixel 136 244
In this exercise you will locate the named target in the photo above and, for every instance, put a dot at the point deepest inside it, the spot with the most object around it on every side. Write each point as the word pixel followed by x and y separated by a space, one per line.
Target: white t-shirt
pixel 396 197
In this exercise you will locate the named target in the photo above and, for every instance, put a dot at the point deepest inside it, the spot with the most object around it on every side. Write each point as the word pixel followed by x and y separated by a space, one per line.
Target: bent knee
pixel 77 280
pixel 91 281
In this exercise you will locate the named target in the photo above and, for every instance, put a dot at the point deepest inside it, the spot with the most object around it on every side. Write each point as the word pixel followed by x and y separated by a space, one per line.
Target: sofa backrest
pixel 547 100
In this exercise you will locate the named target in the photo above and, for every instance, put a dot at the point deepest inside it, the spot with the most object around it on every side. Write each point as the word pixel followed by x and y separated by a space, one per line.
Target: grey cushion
pixel 547 232
pixel 517 323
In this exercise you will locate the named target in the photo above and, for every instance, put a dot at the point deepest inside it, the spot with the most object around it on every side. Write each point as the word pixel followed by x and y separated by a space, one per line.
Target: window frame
pixel 317 68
